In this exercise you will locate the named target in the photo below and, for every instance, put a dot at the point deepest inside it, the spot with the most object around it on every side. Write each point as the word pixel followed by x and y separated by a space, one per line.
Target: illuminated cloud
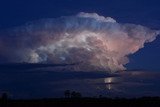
pixel 94 42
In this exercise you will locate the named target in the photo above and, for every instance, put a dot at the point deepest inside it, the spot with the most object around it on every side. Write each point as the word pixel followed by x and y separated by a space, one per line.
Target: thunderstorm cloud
pixel 94 42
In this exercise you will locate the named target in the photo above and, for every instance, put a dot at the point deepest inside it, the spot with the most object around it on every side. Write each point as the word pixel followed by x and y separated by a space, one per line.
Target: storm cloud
pixel 94 42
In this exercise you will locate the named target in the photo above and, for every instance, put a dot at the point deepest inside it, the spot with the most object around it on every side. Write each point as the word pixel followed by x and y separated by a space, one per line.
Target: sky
pixel 14 14
pixel 33 83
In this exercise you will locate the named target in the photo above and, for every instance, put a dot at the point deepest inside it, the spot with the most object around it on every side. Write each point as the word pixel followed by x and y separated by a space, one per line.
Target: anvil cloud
pixel 94 42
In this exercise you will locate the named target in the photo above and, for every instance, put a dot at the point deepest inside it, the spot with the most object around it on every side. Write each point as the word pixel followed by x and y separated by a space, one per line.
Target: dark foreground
pixel 84 102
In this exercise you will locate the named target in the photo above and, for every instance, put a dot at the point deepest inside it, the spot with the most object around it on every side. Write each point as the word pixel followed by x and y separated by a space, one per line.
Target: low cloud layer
pixel 94 42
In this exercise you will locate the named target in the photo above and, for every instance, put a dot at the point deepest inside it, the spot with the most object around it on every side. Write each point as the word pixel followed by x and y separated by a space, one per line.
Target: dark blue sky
pixel 144 12
pixel 136 11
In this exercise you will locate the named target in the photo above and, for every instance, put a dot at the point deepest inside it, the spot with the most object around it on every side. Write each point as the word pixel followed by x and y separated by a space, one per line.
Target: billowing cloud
pixel 94 42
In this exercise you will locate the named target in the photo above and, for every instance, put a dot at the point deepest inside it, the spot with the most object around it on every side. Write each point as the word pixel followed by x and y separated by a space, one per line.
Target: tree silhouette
pixel 100 96
pixel 4 99
pixel 4 96
pixel 67 94
pixel 73 94
pixel 76 95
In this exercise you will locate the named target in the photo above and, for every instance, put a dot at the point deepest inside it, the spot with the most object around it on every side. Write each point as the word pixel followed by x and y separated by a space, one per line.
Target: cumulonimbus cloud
pixel 96 42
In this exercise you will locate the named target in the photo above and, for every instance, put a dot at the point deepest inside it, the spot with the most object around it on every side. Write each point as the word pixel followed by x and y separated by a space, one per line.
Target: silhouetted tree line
pixel 72 94
pixel 74 99
pixel 4 100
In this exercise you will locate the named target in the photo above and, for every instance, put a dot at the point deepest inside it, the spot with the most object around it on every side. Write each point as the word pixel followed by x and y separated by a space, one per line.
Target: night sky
pixel 16 13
